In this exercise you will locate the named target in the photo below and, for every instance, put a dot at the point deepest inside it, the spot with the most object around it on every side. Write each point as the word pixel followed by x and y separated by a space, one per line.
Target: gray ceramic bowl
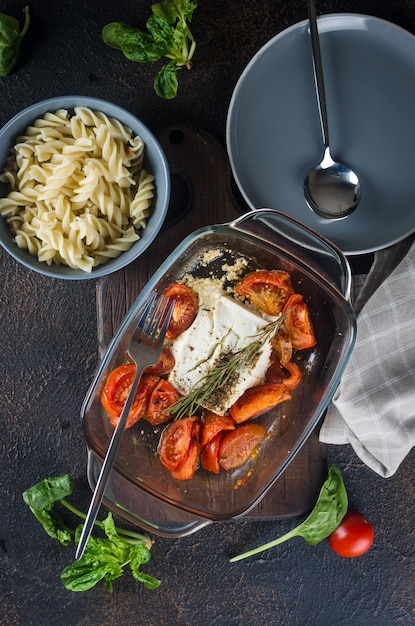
pixel 154 161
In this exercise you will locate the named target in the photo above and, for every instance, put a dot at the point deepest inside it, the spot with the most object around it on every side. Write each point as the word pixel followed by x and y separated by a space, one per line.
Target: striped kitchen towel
pixel 373 408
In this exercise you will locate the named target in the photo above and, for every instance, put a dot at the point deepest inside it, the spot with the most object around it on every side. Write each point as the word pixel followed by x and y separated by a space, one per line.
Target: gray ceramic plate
pixel 274 137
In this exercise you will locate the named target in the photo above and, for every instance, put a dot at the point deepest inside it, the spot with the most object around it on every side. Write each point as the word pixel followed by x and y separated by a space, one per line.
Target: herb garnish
pixel 10 40
pixel 329 510
pixel 104 557
pixel 223 372
pixel 167 35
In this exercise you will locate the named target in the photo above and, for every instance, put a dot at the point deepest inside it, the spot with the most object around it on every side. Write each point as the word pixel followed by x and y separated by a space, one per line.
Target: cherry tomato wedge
pixel 162 397
pixel 294 376
pixel 186 469
pixel 258 399
pixel 185 308
pixel 212 424
pixel 239 444
pixel 268 290
pixel 282 348
pixel 175 441
pixel 116 390
pixel 209 457
pixel 164 365
pixel 297 321
pixel 288 375
pixel 353 537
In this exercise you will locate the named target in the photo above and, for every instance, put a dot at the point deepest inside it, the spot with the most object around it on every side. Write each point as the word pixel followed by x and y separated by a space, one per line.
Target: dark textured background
pixel 48 356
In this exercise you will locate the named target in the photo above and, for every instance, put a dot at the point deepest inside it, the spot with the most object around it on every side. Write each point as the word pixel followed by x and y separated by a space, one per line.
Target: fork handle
pixel 106 468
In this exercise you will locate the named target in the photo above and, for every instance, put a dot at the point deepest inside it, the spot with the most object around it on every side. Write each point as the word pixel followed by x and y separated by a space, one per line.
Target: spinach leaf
pixel 167 35
pixel 329 510
pixel 104 557
pixel 10 40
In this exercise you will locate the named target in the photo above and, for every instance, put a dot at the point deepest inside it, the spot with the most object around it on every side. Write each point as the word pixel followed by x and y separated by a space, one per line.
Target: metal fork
pixel 144 349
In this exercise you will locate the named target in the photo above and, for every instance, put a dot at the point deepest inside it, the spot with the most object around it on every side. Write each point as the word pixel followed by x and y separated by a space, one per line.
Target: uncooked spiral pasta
pixel 78 195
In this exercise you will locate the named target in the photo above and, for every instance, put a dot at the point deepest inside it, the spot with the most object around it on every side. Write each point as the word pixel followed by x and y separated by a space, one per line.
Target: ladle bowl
pixel 331 189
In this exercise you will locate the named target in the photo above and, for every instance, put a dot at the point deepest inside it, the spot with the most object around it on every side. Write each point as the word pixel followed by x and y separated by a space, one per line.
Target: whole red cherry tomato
pixel 353 536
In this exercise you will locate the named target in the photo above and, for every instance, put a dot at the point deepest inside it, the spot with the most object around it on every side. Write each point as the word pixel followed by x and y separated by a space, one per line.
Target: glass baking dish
pixel 140 489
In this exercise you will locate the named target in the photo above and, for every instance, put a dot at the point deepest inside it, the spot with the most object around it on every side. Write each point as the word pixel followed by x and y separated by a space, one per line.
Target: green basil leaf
pixel 10 40
pixel 136 49
pixel 160 30
pixel 328 512
pixel 166 83
pixel 139 555
pixel 149 581
pixel 172 10
pixel 9 30
pixel 54 525
pixel 50 490
pixel 87 572
pixel 115 34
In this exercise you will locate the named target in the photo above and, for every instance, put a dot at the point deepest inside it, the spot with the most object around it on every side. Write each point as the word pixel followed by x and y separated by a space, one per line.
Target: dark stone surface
pixel 48 355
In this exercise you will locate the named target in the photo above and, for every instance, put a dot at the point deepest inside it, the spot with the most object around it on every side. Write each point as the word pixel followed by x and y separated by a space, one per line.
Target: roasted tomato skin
pixel 186 469
pixel 209 457
pixel 212 424
pixel 282 348
pixel 288 375
pixel 258 399
pixel 237 445
pixel 298 323
pixel 164 365
pixel 162 397
pixel 175 441
pixel 267 289
pixel 353 537
pixel 116 390
pixel 185 308
pixel 294 377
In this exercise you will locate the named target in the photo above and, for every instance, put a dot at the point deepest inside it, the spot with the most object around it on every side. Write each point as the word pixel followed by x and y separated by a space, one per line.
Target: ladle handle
pixel 318 72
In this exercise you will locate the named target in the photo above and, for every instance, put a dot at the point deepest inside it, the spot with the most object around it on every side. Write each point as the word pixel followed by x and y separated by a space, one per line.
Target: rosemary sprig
pixel 223 371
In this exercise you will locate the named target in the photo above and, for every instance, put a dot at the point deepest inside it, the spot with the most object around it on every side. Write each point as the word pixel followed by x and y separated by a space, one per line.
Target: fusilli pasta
pixel 78 192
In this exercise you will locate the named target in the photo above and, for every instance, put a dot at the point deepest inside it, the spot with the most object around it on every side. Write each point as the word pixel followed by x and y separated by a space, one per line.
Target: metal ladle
pixel 331 188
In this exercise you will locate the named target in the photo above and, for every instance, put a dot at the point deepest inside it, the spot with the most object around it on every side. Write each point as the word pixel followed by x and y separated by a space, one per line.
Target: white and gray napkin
pixel 373 408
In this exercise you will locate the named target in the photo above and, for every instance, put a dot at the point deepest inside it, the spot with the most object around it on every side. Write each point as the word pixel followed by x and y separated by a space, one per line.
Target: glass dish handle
pixel 307 246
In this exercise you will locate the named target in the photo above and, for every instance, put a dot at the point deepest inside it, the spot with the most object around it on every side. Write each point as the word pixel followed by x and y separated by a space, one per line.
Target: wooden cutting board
pixel 202 195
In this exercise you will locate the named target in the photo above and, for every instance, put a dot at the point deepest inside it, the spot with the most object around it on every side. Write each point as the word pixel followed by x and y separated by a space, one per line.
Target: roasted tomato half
pixel 174 443
pixel 162 397
pixel 185 308
pixel 288 375
pixel 164 365
pixel 258 399
pixel 238 445
pixel 209 457
pixel 117 388
pixel 212 424
pixel 186 469
pixel 268 290
pixel 298 323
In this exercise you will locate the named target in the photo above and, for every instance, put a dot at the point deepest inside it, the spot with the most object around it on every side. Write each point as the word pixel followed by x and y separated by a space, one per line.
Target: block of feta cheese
pixel 222 326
